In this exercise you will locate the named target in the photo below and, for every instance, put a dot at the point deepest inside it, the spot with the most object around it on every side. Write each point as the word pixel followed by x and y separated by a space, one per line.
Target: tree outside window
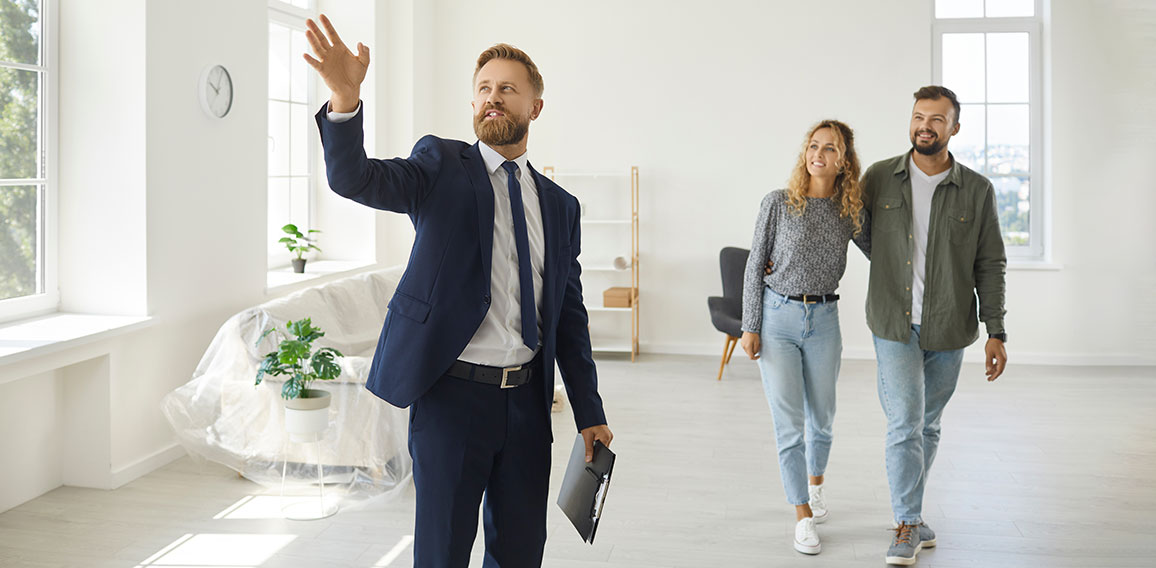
pixel 21 170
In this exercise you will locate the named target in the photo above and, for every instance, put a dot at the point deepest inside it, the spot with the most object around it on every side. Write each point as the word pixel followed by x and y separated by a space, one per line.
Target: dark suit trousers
pixel 468 439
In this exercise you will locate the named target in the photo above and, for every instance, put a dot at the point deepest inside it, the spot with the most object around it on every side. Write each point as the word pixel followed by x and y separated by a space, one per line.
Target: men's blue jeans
pixel 914 386
pixel 799 362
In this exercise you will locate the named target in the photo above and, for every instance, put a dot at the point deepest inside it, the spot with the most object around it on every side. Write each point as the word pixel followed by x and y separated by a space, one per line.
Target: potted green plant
pixel 299 243
pixel 306 409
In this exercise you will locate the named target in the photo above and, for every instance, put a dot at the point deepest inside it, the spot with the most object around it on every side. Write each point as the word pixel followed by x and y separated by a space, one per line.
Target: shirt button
pixel 486 299
pixel 909 236
pixel 908 313
pixel 909 262
pixel 909 288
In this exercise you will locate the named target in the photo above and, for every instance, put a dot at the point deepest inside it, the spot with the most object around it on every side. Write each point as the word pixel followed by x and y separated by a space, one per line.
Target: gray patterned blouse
pixel 809 252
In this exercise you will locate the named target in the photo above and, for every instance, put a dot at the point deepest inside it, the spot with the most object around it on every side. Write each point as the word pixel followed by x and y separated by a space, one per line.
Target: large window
pixel 26 263
pixel 989 53
pixel 291 130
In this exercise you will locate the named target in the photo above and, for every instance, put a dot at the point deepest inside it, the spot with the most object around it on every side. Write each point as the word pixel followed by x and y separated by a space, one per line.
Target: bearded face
pixel 933 123
pixel 927 142
pixel 497 125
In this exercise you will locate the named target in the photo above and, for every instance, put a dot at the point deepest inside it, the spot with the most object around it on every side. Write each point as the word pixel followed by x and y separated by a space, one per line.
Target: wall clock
pixel 216 91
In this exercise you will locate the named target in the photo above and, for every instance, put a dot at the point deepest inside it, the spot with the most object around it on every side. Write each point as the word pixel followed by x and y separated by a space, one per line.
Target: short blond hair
pixel 507 51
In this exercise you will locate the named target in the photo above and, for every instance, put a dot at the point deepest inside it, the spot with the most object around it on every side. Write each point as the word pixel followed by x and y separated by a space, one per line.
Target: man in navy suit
pixel 490 300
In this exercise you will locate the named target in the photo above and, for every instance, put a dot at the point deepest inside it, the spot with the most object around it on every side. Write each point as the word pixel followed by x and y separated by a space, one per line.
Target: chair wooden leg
pixel 727 346
pixel 732 350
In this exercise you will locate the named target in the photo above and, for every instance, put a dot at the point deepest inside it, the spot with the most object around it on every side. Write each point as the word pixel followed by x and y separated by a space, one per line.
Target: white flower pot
pixel 307 416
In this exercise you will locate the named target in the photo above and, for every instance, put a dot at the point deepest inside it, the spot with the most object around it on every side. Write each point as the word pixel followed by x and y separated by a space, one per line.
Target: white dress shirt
pixel 498 340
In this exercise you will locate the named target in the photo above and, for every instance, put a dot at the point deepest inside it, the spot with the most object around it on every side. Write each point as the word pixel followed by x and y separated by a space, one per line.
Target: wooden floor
pixel 1048 467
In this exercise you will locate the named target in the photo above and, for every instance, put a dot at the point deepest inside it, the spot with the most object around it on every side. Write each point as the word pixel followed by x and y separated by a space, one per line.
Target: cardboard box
pixel 617 297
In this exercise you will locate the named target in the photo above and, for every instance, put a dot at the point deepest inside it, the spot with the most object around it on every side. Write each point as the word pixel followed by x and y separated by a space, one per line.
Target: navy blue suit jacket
pixel 445 292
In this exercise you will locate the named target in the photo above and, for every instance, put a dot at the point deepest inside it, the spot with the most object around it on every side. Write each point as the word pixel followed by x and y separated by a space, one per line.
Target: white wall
pixel 33 436
pixel 711 105
pixel 102 154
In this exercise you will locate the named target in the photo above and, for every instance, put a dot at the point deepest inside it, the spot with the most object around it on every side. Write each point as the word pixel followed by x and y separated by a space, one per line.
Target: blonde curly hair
pixel 847 189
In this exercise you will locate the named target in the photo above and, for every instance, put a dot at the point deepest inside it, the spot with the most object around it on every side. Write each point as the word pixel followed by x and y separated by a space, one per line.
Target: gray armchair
pixel 726 312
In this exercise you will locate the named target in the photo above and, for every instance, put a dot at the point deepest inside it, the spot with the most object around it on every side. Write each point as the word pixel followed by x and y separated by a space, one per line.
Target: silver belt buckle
pixel 506 376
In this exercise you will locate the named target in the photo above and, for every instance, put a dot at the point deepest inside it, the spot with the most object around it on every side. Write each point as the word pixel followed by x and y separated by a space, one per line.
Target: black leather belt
pixel 809 299
pixel 506 378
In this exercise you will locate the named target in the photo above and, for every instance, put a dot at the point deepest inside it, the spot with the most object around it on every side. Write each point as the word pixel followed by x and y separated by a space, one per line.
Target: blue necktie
pixel 522 242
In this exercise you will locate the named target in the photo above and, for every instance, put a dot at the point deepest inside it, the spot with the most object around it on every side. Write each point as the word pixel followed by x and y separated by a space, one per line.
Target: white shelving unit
pixel 609 203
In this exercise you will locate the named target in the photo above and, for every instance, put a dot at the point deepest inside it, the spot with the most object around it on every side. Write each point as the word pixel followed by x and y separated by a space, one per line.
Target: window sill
pixel 283 279
pixel 1033 265
pixel 43 335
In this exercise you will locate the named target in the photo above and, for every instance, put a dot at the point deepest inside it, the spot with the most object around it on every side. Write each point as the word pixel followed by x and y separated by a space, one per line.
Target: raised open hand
pixel 341 70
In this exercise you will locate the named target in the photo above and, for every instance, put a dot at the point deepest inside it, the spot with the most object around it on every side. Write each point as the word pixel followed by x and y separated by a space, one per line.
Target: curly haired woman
pixel 790 311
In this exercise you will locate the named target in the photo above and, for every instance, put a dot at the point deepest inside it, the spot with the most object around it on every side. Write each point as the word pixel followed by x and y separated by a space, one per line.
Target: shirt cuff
pixel 339 117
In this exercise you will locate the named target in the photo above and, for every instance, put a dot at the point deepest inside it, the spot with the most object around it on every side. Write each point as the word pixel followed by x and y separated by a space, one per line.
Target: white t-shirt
pixel 922 188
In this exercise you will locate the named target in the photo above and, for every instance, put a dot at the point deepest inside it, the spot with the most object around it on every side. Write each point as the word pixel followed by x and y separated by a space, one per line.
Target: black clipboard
pixel 584 487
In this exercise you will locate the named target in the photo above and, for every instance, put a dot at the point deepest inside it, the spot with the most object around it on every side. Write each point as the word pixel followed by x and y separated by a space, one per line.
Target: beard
pixel 930 149
pixel 500 131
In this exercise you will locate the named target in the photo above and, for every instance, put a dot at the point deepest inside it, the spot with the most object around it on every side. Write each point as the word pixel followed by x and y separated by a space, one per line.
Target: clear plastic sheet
pixel 219 415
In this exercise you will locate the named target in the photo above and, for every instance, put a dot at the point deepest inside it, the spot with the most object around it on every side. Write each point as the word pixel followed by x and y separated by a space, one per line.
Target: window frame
pixel 283 13
pixel 1039 216
pixel 47 299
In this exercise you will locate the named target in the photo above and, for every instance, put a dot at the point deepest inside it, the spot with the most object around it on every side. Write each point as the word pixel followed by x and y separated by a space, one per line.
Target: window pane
pixel 1011 8
pixel 958 8
pixel 963 66
pixel 968 145
pixel 278 138
pixel 19 241
pixel 1007 68
pixel 20 31
pixel 304 4
pixel 278 215
pixel 299 140
pixel 19 123
pixel 1013 201
pixel 278 62
pixel 299 202
pixel 1008 138
pixel 299 90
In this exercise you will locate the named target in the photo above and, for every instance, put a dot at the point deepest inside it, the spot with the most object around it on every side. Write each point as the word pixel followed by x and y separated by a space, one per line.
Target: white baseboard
pixel 683 348
pixel 974 354
pixel 146 465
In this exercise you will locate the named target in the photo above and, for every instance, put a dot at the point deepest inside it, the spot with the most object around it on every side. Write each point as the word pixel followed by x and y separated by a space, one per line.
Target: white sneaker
pixel 806 538
pixel 818 503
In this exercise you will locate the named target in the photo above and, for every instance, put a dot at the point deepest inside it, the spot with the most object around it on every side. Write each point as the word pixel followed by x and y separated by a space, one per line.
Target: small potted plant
pixel 306 409
pixel 299 243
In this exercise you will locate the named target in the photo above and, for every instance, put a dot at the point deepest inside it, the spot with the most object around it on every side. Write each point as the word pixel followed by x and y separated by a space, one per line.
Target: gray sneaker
pixel 904 546
pixel 926 536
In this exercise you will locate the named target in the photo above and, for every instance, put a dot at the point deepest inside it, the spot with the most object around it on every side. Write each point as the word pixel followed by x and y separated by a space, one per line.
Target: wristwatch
pixel 1000 336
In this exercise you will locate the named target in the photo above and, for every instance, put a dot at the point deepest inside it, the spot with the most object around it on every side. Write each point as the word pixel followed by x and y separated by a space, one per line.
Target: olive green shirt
pixel 966 261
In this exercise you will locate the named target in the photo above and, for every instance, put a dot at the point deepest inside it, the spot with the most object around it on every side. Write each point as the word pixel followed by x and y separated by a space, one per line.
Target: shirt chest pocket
pixel 960 225
pixel 889 215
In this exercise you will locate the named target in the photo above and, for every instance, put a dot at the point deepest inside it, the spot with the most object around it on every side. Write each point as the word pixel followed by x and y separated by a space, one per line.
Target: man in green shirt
pixel 936 256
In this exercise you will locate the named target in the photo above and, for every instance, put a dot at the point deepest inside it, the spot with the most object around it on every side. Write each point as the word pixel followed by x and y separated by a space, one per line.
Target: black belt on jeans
pixel 506 378
pixel 810 299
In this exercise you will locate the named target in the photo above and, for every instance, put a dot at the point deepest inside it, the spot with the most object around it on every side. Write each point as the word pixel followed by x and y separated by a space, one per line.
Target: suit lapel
pixel 484 193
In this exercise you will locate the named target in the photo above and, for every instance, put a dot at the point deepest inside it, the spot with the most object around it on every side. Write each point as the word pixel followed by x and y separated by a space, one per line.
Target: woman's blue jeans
pixel 799 362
